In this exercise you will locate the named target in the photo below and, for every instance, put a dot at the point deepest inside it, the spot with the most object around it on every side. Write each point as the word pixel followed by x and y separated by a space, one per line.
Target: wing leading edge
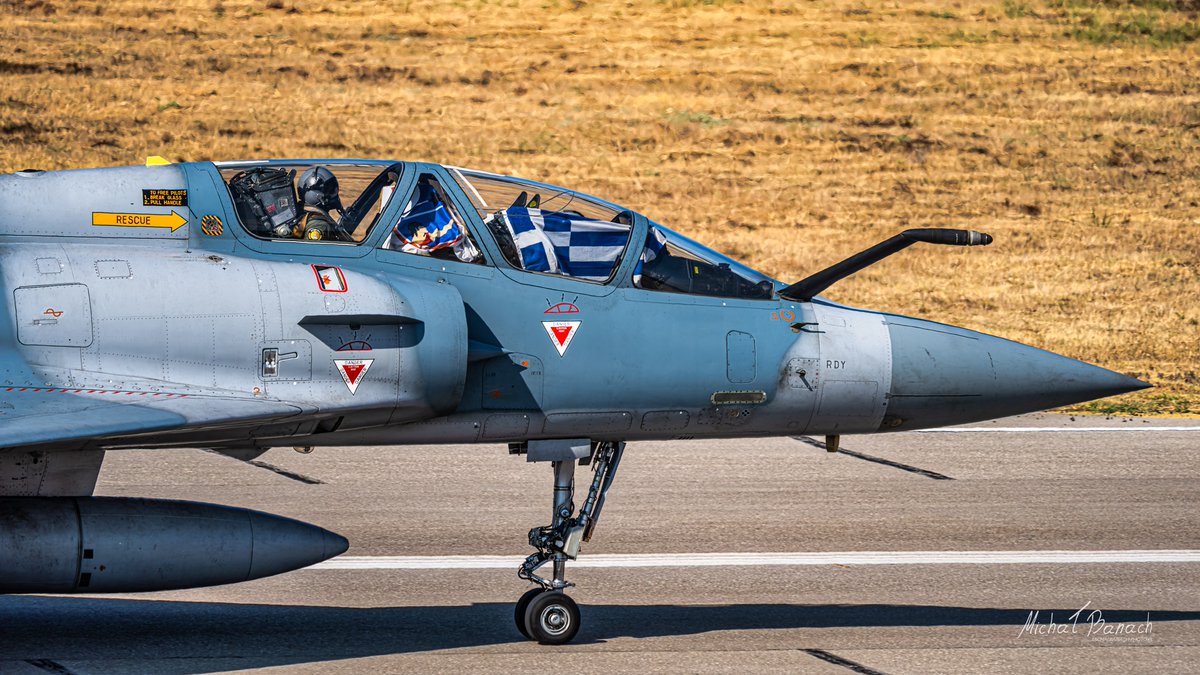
pixel 33 418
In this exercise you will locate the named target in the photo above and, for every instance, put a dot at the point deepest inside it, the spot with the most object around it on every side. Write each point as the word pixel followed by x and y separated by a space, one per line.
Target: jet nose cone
pixel 946 375
pixel 1113 383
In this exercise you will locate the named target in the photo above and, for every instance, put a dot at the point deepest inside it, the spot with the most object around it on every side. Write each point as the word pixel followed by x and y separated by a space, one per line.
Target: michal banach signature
pixel 1091 625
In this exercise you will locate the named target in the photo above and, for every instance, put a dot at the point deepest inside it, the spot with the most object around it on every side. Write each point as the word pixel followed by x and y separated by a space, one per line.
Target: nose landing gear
pixel 547 614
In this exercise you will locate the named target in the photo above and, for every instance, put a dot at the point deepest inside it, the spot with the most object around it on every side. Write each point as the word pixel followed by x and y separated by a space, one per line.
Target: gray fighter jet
pixel 240 306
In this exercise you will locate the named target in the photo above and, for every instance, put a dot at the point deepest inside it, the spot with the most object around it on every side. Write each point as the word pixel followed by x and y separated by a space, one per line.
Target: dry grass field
pixel 787 134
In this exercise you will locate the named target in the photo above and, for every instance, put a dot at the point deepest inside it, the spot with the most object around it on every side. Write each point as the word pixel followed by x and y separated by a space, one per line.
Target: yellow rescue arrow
pixel 174 221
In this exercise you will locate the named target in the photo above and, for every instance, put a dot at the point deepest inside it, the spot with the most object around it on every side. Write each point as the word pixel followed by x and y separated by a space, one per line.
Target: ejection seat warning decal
pixel 561 333
pixel 330 279
pixel 172 221
pixel 164 198
pixel 353 371
pixel 212 226
pixel 563 308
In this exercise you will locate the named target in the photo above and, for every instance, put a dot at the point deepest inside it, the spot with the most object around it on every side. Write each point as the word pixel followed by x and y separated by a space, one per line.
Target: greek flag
pixel 553 242
pixel 426 224
pixel 655 243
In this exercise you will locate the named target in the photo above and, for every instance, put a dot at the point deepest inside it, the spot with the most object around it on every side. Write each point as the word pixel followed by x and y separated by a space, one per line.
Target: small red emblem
pixel 561 333
pixel 352 371
pixel 330 279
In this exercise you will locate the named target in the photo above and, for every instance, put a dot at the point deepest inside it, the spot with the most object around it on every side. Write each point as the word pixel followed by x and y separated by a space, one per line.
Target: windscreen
pixel 675 264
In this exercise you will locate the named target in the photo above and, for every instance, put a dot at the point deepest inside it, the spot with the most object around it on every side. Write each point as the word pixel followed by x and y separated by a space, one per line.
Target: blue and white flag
pixel 527 228
pixel 426 224
pixel 655 243
pixel 550 241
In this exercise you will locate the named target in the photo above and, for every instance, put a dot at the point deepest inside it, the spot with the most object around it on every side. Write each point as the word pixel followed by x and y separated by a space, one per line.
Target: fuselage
pixel 142 281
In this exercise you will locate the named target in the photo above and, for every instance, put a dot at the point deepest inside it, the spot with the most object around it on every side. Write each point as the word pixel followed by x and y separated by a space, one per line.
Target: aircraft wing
pixel 73 418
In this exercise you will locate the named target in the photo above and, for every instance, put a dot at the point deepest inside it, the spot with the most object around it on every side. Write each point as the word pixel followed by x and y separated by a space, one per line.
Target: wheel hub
pixel 555 620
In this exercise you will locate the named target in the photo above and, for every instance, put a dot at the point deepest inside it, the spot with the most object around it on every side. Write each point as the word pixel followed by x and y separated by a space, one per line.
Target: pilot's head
pixel 318 187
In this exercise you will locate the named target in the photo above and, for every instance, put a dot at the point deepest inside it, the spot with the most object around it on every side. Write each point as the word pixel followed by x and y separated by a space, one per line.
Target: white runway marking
pixel 1036 430
pixel 486 562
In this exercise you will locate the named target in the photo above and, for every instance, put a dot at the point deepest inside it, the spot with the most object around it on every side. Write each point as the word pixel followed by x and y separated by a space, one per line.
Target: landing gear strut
pixel 546 613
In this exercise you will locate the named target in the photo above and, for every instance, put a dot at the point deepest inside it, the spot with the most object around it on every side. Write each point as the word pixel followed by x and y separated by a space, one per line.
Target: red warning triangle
pixel 561 333
pixel 352 371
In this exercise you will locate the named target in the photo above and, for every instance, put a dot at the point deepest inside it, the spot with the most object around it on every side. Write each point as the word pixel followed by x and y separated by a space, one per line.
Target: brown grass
pixel 787 135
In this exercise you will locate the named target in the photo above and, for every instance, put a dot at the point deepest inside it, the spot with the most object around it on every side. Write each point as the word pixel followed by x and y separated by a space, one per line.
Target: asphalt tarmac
pixel 1016 490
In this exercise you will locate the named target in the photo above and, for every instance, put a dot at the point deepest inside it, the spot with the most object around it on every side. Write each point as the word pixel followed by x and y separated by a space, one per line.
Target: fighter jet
pixel 241 306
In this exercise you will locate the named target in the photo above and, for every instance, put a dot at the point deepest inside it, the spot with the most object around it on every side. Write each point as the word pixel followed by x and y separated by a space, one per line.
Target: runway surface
pixel 908 553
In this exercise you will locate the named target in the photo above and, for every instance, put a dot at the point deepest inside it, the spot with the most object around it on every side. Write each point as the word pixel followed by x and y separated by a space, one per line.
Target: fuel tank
pixel 121 545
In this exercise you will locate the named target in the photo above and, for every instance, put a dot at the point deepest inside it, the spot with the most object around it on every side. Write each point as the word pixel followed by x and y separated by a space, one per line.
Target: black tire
pixel 552 618
pixel 522 605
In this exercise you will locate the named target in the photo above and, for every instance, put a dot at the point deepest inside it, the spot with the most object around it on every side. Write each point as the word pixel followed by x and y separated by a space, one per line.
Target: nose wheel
pixel 546 614
pixel 549 617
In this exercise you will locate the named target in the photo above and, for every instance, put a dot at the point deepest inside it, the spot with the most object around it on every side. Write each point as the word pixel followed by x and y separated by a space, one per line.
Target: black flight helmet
pixel 319 187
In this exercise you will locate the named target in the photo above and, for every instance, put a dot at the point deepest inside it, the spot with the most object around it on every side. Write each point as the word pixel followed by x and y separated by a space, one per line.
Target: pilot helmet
pixel 319 187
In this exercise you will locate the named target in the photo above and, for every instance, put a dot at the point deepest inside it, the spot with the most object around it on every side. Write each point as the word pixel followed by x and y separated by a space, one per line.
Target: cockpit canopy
pixel 270 199
pixel 588 235
pixel 537 227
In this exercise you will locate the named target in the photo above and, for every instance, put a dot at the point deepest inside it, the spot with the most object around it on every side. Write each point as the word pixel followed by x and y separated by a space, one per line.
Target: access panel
pixel 54 316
